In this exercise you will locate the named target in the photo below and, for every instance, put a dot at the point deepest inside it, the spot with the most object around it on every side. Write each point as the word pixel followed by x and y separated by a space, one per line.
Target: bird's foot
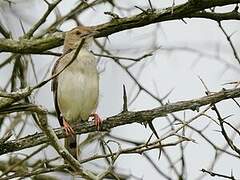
pixel 97 120
pixel 68 129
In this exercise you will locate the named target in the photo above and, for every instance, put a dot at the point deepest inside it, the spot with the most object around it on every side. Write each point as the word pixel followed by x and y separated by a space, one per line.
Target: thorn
pixel 149 139
pixel 144 11
pixel 125 108
pixel 156 134
pixel 150 4
pixel 236 8
pixel 47 2
pixel 114 16
pixel 184 21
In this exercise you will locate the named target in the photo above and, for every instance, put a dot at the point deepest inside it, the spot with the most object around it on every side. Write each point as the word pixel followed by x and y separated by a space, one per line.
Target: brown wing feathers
pixel 54 90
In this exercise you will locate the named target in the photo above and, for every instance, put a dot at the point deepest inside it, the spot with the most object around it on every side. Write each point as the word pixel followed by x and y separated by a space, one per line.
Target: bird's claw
pixel 97 120
pixel 68 129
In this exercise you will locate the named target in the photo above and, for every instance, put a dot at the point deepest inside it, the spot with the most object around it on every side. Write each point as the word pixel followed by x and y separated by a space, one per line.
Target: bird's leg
pixel 97 120
pixel 68 129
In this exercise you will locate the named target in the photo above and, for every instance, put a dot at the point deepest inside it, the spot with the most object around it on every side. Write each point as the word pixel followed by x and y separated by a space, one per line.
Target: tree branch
pixel 117 120
pixel 32 46
pixel 7 99
pixel 116 25
pixel 233 15
pixel 54 141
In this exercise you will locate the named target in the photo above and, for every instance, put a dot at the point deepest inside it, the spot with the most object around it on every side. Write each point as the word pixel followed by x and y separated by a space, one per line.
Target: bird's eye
pixel 78 33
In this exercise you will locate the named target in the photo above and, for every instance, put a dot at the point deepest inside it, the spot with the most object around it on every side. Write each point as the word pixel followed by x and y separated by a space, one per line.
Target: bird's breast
pixel 78 88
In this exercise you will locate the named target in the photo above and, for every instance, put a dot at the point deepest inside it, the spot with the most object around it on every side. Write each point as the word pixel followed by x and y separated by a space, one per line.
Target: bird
pixel 76 88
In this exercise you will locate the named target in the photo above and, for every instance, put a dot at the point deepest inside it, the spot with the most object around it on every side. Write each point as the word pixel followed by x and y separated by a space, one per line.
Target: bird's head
pixel 75 36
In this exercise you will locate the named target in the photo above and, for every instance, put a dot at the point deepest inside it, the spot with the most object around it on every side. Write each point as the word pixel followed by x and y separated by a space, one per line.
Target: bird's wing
pixel 54 90
pixel 64 58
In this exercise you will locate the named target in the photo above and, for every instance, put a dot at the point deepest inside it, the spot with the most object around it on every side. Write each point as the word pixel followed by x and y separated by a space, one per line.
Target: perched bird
pixel 76 88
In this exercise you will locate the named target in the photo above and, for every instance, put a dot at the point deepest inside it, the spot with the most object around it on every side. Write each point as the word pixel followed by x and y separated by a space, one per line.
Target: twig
pixel 22 161
pixel 68 64
pixel 123 58
pixel 230 42
pixel 219 175
pixel 223 131
pixel 8 60
pixel 81 7
pixel 137 149
pixel 36 172
pixel 4 32
pixel 43 19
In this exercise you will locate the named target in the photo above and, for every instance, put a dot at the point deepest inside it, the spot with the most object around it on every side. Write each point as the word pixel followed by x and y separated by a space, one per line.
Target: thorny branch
pixel 160 15
pixel 117 120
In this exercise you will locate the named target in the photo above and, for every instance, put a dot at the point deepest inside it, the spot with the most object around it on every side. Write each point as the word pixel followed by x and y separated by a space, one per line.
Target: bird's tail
pixel 71 145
